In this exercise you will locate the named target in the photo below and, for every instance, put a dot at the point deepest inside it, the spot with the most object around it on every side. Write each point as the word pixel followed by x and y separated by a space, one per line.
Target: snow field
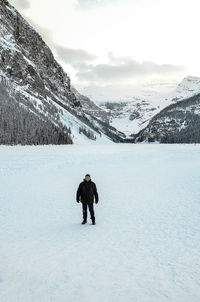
pixel 145 246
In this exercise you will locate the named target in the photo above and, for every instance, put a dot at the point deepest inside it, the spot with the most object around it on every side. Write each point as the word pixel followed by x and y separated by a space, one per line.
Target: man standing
pixel 86 192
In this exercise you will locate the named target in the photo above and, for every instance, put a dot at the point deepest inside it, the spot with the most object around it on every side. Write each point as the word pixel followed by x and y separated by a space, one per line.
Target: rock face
pixel 27 60
pixel 37 82
pixel 89 107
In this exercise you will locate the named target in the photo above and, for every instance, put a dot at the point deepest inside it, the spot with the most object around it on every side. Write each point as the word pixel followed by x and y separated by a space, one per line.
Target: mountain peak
pixel 189 84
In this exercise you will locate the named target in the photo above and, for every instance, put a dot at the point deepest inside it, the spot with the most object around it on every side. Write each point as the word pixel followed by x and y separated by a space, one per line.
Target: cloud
pixel 45 32
pixel 78 58
pixel 90 4
pixel 20 4
pixel 125 69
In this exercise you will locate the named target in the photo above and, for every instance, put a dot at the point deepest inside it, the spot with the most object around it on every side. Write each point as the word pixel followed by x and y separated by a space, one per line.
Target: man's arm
pixel 78 193
pixel 96 194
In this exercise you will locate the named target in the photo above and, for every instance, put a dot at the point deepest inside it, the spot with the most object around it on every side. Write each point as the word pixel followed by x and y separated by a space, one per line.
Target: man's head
pixel 87 177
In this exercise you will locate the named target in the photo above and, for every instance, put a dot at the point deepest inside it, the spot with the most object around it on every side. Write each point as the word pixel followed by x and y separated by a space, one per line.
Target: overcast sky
pixel 114 46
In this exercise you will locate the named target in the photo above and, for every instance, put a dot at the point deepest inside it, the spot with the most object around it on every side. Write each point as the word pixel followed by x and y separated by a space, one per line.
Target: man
pixel 86 192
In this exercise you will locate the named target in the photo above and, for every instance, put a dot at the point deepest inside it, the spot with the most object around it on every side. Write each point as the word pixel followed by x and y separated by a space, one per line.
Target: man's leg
pixel 91 209
pixel 84 207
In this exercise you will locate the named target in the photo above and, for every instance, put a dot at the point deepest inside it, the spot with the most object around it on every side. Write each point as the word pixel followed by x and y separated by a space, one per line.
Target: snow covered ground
pixel 145 246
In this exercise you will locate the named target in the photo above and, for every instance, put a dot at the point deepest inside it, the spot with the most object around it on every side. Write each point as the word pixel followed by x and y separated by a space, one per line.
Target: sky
pixel 114 48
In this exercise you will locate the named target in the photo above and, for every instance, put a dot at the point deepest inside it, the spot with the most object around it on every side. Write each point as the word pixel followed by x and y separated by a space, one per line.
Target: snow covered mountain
pixel 89 107
pixel 36 82
pixel 188 87
pixel 48 109
pixel 133 114
pixel 99 117
pixel 177 123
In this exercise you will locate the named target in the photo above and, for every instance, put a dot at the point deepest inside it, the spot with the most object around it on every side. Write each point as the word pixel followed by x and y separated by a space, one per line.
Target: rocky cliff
pixel 30 71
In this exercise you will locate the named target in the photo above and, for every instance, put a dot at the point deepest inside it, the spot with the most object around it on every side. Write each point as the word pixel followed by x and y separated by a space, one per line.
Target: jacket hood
pixel 86 181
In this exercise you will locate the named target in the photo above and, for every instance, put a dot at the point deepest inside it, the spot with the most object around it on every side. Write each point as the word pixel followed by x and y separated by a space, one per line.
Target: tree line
pixel 20 124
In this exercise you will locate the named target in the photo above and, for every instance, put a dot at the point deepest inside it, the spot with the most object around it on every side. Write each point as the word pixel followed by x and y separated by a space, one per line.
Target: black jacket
pixel 87 191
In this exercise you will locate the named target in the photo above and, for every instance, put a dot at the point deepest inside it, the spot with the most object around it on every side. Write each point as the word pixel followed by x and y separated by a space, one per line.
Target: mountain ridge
pixel 32 79
pixel 134 115
pixel 28 66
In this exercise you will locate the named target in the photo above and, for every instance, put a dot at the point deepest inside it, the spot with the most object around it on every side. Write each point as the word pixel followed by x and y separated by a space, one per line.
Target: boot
pixel 84 221
pixel 93 222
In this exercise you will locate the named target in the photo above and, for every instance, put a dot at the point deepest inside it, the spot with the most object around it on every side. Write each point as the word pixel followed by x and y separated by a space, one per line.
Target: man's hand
pixel 96 201
pixel 77 201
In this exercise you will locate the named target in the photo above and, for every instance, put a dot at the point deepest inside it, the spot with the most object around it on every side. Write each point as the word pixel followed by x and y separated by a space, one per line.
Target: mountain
pixel 89 107
pixel 22 121
pixel 188 87
pixel 133 114
pixel 177 123
pixel 35 84
pixel 99 117
pixel 40 106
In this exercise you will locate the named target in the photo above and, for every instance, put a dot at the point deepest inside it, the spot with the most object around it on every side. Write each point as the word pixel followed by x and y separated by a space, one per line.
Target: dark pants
pixel 91 209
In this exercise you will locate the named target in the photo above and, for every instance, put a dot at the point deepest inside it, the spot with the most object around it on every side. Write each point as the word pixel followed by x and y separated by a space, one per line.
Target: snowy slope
pixel 177 123
pixel 63 115
pixel 188 87
pixel 71 121
pixel 89 107
pixel 133 114
pixel 145 246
